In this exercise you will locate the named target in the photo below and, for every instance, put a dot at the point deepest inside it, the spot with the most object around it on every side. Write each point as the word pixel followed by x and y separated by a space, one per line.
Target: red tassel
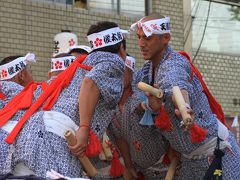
pixel 117 168
pixel 198 134
pixel 166 159
pixel 2 96
pixel 140 176
pixel 94 146
pixel 163 121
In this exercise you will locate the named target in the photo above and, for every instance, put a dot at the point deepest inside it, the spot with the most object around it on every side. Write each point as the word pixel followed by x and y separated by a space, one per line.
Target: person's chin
pixel 145 57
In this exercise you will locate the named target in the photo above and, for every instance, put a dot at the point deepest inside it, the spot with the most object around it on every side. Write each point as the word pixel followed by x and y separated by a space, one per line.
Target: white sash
pixel 58 123
pixel 22 170
pixel 8 127
pixel 207 149
pixel 160 161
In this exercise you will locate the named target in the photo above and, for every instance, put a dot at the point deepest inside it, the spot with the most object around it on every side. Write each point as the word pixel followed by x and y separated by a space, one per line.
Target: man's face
pixel 27 74
pixel 151 46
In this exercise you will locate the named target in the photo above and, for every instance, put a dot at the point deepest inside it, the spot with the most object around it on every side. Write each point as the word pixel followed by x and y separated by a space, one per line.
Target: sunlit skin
pixel 28 74
pixel 153 47
pixel 25 76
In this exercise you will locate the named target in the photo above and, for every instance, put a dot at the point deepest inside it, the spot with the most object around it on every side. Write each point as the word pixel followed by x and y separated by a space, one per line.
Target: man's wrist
pixel 84 125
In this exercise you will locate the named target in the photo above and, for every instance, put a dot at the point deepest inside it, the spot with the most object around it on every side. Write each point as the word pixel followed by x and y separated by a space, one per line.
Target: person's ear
pixel 167 37
pixel 19 78
pixel 122 52
pixel 49 74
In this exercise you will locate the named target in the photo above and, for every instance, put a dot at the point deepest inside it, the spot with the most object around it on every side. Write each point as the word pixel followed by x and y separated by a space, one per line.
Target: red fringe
pixel 140 176
pixel 163 120
pixel 198 134
pixel 166 159
pixel 94 147
pixel 117 168
pixel 2 96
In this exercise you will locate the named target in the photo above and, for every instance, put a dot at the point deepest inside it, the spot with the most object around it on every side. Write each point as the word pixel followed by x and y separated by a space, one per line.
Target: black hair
pixel 9 59
pixel 101 26
pixel 62 55
pixel 124 44
pixel 80 51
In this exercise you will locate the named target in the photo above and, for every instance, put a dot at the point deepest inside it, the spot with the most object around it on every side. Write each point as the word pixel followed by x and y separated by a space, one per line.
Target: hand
pixel 187 122
pixel 172 154
pixel 79 149
pixel 130 174
pixel 154 102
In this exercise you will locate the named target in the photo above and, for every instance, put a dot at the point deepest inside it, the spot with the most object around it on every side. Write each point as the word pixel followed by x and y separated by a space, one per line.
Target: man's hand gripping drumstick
pixel 89 168
pixel 181 100
pixel 155 96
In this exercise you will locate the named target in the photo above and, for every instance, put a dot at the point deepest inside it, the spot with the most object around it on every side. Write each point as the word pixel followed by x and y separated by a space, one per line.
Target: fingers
pixel 148 94
pixel 178 114
pixel 190 111
pixel 186 123
pixel 78 150
pixel 155 85
pixel 134 174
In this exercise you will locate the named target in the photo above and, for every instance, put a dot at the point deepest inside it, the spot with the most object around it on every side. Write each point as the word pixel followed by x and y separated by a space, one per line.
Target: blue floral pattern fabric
pixel 146 143
pixel 175 70
pixel 41 150
pixel 9 89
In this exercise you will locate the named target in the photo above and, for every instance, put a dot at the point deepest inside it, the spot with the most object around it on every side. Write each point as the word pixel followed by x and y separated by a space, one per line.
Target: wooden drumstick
pixel 171 169
pixel 87 165
pixel 187 119
pixel 147 88
pixel 106 149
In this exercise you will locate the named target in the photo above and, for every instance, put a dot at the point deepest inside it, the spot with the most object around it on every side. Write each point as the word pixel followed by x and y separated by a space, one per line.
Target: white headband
pixel 11 69
pixel 130 62
pixel 105 38
pixel 60 64
pixel 82 47
pixel 156 26
pixel 125 33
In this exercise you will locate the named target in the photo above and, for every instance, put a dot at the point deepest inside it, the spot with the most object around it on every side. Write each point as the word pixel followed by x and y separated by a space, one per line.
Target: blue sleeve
pixel 175 71
pixel 108 76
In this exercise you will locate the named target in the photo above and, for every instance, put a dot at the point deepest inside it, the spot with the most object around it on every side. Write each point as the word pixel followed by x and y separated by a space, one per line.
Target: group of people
pixel 92 92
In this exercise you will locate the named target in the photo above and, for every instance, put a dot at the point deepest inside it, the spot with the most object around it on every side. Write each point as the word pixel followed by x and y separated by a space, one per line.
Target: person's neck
pixel 158 58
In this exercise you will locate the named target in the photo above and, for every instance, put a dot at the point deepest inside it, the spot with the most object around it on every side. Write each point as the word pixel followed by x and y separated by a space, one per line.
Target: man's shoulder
pixel 177 59
pixel 99 57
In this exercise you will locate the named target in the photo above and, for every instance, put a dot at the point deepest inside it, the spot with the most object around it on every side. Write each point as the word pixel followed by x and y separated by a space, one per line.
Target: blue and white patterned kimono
pixel 145 142
pixel 41 150
pixel 9 89
pixel 175 70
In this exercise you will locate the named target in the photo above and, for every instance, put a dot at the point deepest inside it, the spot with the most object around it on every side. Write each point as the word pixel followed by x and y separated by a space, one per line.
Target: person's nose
pixel 141 42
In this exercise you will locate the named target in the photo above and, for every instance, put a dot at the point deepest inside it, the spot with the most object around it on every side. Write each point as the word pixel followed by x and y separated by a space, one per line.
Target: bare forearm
pixel 88 99
pixel 185 97
pixel 124 149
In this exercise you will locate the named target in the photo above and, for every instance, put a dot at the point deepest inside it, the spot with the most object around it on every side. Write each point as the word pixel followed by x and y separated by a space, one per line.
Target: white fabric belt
pixel 160 161
pixel 54 121
pixel 22 170
pixel 58 123
pixel 8 127
pixel 208 148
